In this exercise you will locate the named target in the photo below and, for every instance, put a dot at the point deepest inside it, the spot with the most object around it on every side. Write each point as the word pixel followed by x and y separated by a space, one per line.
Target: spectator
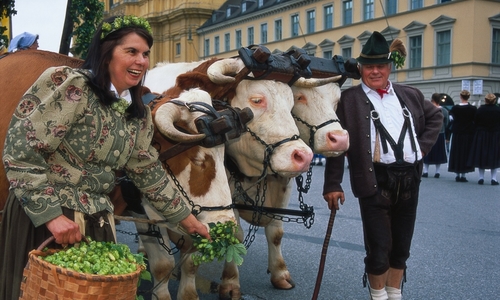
pixel 462 133
pixel 437 155
pixel 24 41
pixel 485 151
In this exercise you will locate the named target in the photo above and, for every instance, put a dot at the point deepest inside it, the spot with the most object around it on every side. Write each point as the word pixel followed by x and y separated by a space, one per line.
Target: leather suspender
pixel 386 137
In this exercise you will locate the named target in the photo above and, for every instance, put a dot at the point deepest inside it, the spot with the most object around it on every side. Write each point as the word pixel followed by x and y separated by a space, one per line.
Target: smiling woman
pixel 60 176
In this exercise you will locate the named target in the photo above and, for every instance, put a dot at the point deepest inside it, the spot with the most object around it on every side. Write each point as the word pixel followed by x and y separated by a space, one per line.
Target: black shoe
pixel 494 182
pixel 425 175
pixel 463 179
pixel 457 179
pixel 436 175
pixel 481 181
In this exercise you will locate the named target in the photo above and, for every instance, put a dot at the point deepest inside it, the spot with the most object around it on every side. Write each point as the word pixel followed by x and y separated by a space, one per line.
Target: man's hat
pixel 377 51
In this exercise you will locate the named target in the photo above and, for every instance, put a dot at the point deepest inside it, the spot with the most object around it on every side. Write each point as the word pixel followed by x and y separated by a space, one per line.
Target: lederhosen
pixel 389 216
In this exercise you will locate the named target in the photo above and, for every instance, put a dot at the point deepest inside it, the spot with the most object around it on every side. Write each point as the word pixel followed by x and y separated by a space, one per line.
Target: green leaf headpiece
pixel 123 22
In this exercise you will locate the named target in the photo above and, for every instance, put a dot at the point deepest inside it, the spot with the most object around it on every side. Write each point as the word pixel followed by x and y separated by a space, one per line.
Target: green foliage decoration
pixel 86 15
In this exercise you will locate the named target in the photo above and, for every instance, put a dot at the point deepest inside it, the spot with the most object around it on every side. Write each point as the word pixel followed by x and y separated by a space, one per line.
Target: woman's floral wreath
pixel 122 22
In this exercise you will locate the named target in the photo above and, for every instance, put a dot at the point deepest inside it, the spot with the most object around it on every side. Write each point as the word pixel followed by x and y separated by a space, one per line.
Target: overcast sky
pixel 42 17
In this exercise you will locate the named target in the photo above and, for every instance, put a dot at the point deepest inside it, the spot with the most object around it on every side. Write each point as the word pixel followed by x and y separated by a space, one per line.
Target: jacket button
pixel 370 169
pixel 369 151
pixel 367 117
pixel 375 186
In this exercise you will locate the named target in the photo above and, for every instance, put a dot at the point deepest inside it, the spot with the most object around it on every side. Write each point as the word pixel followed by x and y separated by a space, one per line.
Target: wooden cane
pixel 323 254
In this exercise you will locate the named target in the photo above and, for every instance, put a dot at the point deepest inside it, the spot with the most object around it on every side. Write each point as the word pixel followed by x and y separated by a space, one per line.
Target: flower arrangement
pixel 123 22
pixel 120 105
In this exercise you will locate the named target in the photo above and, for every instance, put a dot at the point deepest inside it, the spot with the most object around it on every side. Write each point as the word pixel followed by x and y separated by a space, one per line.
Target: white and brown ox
pixel 314 104
pixel 200 171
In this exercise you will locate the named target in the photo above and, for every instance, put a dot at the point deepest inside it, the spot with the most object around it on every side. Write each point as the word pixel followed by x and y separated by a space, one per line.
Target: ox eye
pixel 256 100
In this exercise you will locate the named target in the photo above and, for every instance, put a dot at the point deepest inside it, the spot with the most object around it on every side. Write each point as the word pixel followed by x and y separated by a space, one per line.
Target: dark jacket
pixel 353 112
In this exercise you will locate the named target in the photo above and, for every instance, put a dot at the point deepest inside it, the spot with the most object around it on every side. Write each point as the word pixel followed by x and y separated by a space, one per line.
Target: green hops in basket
pixel 224 245
pixel 101 258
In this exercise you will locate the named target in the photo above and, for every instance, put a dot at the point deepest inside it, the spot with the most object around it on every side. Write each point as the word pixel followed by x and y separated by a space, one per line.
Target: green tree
pixel 6 10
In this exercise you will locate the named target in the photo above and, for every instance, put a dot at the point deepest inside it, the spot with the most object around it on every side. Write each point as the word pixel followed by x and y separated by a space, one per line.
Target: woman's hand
pixel 192 226
pixel 64 230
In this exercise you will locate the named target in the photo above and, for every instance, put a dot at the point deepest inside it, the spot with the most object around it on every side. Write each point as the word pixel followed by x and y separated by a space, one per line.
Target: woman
pixel 24 41
pixel 437 155
pixel 69 134
pixel 485 152
pixel 462 134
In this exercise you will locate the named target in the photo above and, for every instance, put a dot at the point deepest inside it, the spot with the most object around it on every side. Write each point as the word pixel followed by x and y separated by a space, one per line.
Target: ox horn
pixel 219 70
pixel 165 117
pixel 314 82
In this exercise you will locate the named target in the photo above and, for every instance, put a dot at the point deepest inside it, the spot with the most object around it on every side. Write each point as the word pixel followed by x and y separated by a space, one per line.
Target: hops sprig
pixel 122 22
pixel 397 53
pixel 224 245
pixel 120 105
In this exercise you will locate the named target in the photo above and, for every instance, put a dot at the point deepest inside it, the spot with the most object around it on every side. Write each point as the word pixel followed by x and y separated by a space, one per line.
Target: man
pixel 391 127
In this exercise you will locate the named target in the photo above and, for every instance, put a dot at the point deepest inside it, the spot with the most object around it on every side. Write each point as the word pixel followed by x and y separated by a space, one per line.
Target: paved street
pixel 454 251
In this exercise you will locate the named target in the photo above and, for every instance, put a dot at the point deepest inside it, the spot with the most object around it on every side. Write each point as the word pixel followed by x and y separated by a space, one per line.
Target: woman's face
pixel 129 62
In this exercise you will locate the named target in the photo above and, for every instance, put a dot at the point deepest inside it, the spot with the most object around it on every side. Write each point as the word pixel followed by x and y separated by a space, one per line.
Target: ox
pixel 313 105
pixel 200 171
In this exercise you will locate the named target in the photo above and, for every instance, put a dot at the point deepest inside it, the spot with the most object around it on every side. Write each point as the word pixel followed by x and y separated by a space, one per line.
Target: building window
pixel 443 45
pixel 311 20
pixel 327 54
pixel 177 48
pixel 263 33
pixel 295 25
pixel 346 52
pixel 238 39
pixel 278 30
pixel 391 7
pixel 207 47
pixel 216 45
pixel 495 51
pixel 328 11
pixel 227 42
pixel 415 52
pixel 243 7
pixel 261 3
pixel 250 36
pixel 368 9
pixel 347 10
pixel 415 4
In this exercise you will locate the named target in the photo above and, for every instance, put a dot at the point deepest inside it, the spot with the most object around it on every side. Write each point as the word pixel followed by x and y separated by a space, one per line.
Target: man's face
pixel 375 76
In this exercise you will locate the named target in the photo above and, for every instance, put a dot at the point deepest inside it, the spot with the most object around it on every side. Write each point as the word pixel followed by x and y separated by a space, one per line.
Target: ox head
pixel 200 171
pixel 273 136
pixel 315 102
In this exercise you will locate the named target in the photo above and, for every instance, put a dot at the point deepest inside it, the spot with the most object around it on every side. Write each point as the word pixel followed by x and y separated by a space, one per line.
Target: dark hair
pixel 98 58
pixel 436 98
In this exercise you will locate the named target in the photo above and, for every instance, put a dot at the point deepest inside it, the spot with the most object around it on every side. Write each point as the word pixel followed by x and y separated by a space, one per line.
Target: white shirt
pixel 391 116
pixel 125 94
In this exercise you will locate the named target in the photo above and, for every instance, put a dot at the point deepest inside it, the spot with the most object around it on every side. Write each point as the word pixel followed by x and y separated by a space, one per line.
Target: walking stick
pixel 323 254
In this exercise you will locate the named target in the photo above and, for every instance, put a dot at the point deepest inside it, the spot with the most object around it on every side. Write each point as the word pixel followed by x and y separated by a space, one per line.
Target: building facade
pixel 451 45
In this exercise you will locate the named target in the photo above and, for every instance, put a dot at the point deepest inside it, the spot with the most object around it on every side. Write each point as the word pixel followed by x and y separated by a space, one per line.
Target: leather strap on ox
pixel 218 126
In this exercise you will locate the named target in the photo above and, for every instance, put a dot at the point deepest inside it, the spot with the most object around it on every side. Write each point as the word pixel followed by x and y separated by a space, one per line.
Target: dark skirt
pixel 437 155
pixel 459 153
pixel 18 237
pixel 485 151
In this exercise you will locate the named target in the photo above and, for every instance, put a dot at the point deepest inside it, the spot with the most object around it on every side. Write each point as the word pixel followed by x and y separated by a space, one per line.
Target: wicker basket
pixel 45 281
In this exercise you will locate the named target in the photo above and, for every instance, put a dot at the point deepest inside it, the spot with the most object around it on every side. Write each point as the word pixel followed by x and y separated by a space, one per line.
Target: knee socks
pixel 481 173
pixel 378 294
pixel 393 293
pixel 494 174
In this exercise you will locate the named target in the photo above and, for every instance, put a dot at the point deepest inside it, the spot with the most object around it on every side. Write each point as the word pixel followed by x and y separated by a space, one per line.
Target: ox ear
pixel 194 79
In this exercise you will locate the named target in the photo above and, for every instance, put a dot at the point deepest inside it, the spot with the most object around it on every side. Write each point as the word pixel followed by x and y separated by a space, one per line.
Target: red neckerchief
pixel 381 92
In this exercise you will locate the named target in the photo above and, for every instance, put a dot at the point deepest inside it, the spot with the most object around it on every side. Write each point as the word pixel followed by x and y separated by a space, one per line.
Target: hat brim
pixel 366 61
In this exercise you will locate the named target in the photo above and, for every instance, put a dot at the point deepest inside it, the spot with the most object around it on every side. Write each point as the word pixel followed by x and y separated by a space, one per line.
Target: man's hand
pixel 333 199
pixel 192 226
pixel 64 230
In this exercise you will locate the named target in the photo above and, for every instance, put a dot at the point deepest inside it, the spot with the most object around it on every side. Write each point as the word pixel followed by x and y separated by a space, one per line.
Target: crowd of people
pixel 475 139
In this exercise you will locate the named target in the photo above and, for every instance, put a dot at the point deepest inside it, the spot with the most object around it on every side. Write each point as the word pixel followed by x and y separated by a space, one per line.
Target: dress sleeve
pixel 41 120
pixel 147 173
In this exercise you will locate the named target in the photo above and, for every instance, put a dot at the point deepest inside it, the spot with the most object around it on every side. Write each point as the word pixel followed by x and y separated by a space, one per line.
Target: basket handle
pixel 52 238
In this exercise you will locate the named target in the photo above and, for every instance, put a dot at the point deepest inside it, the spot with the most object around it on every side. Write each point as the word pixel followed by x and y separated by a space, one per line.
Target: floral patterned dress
pixel 63 147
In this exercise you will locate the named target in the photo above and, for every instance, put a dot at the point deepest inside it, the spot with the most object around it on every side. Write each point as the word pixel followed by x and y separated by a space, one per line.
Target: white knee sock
pixel 438 167
pixel 494 174
pixel 393 293
pixel 481 173
pixel 378 294
pixel 426 168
